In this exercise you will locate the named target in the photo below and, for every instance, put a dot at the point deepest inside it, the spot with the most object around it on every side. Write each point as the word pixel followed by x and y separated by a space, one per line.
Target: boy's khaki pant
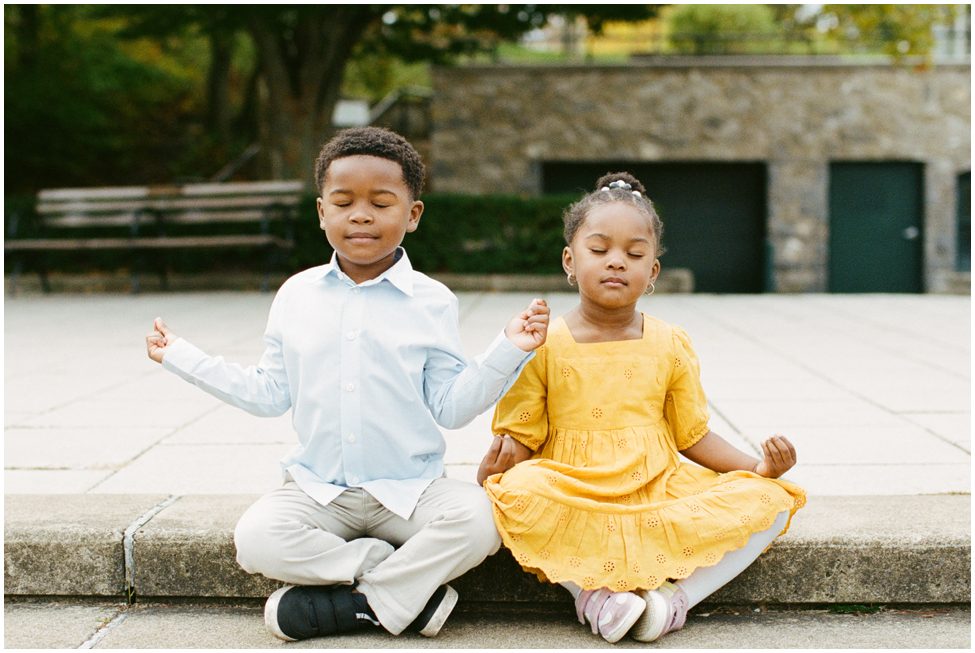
pixel 397 563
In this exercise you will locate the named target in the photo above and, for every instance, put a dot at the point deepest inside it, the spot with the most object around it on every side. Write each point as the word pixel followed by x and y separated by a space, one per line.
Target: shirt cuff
pixel 181 358
pixel 505 356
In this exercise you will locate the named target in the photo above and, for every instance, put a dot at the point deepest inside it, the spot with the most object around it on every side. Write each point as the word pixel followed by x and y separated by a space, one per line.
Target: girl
pixel 588 488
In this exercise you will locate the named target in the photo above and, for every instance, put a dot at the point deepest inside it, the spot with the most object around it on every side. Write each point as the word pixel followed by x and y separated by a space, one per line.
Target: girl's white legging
pixel 705 581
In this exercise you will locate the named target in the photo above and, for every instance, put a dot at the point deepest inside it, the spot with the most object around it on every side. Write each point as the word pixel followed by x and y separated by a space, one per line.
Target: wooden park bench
pixel 143 219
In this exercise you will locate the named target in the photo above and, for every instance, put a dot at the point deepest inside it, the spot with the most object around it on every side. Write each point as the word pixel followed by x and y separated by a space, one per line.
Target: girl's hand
pixel 158 341
pixel 505 452
pixel 780 456
pixel 528 329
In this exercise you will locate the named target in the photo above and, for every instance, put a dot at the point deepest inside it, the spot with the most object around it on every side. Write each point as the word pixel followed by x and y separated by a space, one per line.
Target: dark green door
pixel 714 215
pixel 875 227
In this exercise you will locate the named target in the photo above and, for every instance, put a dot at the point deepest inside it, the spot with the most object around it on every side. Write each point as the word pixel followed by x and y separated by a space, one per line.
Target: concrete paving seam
pixel 128 542
pixel 104 630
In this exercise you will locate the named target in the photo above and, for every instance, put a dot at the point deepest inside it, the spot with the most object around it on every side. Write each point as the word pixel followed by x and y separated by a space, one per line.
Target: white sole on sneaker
pixel 271 614
pixel 650 626
pixel 634 612
pixel 440 615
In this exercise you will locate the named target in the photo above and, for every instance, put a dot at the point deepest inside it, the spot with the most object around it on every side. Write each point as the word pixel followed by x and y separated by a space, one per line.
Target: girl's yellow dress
pixel 606 501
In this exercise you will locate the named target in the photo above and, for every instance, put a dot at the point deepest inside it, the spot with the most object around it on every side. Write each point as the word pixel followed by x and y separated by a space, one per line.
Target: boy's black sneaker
pixel 297 612
pixel 429 622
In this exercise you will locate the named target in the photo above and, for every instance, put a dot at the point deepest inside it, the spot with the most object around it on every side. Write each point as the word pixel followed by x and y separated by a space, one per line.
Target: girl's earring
pixel 649 291
pixel 571 279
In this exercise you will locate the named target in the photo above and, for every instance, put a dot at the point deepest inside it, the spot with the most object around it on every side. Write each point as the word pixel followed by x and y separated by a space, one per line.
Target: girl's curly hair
pixel 576 214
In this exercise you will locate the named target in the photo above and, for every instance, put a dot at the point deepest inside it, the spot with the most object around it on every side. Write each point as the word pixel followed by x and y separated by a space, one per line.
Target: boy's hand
pixel 528 329
pixel 505 452
pixel 158 341
pixel 780 456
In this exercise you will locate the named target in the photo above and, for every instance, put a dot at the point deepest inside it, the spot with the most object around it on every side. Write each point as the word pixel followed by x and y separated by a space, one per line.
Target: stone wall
pixel 494 125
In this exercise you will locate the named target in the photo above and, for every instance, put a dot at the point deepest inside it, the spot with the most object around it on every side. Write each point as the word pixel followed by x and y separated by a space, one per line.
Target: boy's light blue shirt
pixel 369 371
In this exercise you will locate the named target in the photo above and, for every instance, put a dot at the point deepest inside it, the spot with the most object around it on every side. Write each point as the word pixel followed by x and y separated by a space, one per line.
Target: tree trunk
pixel 303 66
pixel 218 85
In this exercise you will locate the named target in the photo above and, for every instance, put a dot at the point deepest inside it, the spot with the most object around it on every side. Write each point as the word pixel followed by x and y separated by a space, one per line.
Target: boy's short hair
pixel 372 141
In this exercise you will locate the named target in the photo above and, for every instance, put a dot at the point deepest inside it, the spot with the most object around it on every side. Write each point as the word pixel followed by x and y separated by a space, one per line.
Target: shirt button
pixel 350 387
pixel 351 438
pixel 355 479
pixel 357 290
pixel 351 335
pixel 341 276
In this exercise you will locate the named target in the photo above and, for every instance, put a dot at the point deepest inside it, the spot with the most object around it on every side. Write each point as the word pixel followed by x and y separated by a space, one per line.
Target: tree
pixel 79 106
pixel 80 109
pixel 304 51
pixel 888 29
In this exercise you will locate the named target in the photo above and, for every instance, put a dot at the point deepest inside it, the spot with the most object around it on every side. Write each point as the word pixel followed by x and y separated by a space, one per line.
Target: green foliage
pixel 489 234
pixel 441 33
pixel 722 29
pixel 805 29
pixel 886 29
pixel 372 76
pixel 80 109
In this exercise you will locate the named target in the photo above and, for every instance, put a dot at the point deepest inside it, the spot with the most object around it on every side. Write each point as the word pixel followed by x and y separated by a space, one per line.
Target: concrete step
pixel 847 549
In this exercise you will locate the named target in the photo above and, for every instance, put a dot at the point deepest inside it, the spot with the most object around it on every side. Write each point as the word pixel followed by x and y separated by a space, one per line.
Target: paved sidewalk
pixel 77 625
pixel 874 390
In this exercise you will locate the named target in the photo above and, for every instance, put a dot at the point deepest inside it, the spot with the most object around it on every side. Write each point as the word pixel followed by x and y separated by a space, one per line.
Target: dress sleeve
pixel 522 412
pixel 685 407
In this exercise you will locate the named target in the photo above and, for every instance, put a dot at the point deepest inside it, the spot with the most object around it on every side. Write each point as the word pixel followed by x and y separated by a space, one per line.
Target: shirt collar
pixel 400 274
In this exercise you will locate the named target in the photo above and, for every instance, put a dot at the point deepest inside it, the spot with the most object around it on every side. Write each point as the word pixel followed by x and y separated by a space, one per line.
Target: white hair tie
pixel 619 183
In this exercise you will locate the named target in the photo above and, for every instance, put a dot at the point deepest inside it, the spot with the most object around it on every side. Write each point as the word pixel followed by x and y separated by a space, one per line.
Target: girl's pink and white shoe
pixel 666 612
pixel 610 614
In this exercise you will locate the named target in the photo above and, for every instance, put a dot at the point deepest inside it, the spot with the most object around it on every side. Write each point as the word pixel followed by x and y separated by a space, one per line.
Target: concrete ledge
pixel 890 549
pixel 188 550
pixel 68 544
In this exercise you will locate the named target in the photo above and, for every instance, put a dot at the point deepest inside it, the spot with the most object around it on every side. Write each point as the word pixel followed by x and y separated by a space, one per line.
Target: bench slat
pixel 142 192
pixel 84 220
pixel 186 217
pixel 245 188
pixel 176 204
pixel 77 194
pixel 65 244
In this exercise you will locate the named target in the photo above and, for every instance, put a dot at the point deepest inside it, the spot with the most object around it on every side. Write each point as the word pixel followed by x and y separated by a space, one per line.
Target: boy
pixel 367 354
